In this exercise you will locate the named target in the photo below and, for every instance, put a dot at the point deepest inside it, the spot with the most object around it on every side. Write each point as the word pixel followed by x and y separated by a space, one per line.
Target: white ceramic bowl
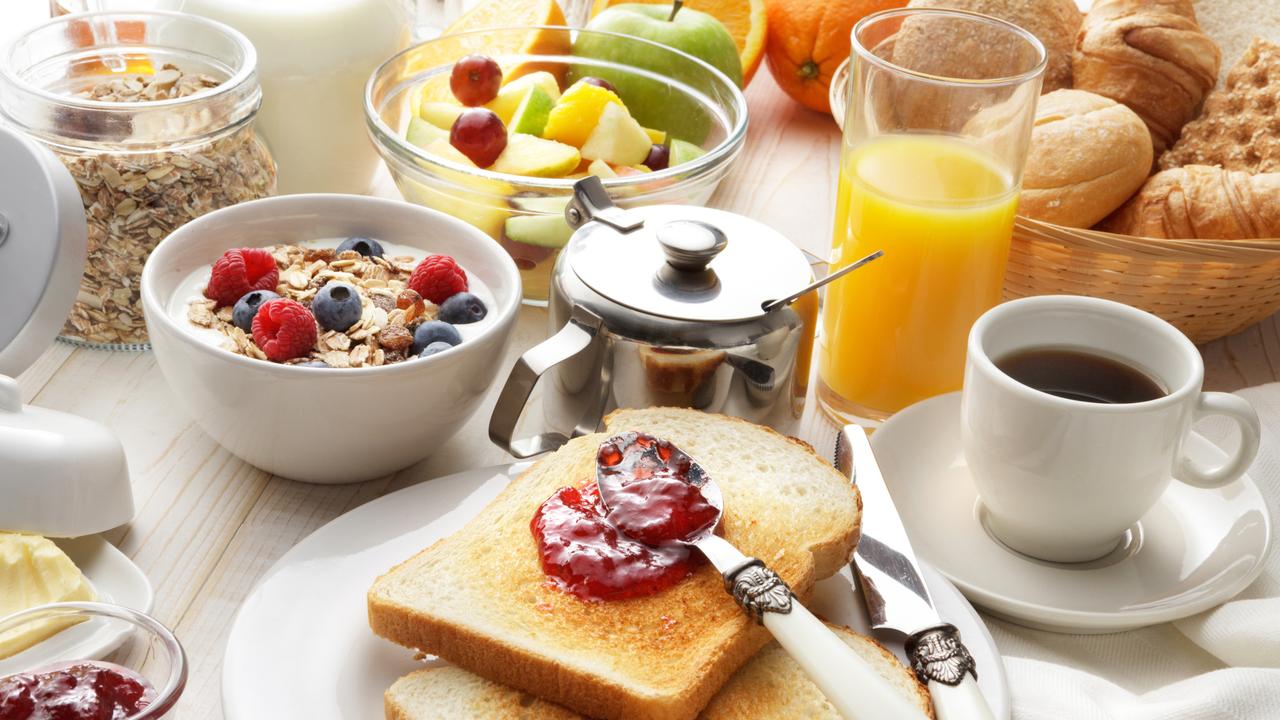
pixel 327 425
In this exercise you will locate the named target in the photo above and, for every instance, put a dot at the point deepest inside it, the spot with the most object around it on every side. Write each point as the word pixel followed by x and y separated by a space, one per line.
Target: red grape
pixel 475 80
pixel 599 82
pixel 480 135
pixel 659 157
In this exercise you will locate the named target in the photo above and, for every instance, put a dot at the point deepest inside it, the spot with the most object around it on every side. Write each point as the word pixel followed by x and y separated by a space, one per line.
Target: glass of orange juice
pixel 935 137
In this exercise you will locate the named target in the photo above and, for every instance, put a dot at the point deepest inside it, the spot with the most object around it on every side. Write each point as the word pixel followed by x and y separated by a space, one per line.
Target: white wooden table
pixel 209 525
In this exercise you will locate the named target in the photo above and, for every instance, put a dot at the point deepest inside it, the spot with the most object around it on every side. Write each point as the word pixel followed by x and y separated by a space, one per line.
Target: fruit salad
pixel 354 302
pixel 533 123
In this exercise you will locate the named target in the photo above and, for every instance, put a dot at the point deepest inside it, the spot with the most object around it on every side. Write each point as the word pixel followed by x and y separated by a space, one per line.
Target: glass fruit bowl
pixel 664 89
pixel 128 656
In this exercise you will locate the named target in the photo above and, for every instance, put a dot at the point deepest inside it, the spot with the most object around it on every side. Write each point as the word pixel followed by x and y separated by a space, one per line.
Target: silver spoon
pixel 633 459
pixel 771 304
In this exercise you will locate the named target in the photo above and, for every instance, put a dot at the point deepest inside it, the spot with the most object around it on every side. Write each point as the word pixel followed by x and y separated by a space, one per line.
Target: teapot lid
pixel 42 249
pixel 678 261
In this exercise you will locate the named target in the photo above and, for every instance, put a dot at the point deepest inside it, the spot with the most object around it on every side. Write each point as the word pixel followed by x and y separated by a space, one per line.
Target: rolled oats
pixel 134 199
pixel 382 336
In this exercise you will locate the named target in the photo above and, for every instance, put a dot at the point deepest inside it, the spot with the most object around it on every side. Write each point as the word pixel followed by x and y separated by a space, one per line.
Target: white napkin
pixel 1223 663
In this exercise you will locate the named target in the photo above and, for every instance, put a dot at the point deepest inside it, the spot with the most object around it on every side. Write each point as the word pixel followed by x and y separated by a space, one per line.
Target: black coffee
pixel 1080 376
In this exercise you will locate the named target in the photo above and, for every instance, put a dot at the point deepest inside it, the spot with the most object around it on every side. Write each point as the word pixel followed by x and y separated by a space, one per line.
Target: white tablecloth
pixel 1224 663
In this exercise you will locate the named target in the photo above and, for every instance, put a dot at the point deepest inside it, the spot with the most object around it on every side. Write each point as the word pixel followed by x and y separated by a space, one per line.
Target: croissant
pixel 1199 201
pixel 1150 55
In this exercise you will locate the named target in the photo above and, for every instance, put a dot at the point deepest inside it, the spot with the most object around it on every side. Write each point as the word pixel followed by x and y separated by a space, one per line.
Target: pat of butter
pixel 34 571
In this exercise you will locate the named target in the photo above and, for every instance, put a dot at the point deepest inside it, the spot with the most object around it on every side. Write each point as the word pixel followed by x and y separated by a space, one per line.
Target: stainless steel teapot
pixel 660 306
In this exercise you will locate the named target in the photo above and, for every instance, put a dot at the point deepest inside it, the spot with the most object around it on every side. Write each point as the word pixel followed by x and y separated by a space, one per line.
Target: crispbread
pixel 1240 126
pixel 480 600
pixel 770 687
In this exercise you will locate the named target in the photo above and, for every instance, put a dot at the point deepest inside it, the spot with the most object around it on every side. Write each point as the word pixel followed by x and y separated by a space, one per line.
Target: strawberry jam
pixel 654 489
pixel 627 552
pixel 87 690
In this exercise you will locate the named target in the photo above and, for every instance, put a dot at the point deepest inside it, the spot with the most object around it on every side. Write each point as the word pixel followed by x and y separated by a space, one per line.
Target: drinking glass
pixel 935 137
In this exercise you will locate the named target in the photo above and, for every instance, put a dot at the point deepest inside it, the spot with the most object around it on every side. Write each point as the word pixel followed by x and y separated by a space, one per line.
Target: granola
pixel 133 200
pixel 382 336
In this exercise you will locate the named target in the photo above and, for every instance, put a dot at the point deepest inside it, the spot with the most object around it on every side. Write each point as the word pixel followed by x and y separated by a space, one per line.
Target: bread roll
pixel 1088 155
pixel 1150 55
pixel 1055 22
pixel 1198 201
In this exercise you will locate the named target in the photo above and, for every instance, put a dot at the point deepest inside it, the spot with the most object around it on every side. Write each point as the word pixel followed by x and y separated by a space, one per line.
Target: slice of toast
pixel 770 687
pixel 480 600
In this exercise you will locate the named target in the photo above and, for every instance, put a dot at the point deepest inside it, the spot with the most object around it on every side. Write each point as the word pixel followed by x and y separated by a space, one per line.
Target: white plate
pixel 116 580
pixel 301 645
pixel 1193 550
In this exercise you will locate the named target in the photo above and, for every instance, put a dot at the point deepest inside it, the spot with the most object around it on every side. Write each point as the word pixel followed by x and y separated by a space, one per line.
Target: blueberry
pixel 337 306
pixel 433 348
pixel 313 363
pixel 434 331
pixel 462 308
pixel 247 306
pixel 367 247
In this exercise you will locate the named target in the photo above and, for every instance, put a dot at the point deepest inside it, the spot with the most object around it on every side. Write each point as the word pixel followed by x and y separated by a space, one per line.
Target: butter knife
pixel 895 593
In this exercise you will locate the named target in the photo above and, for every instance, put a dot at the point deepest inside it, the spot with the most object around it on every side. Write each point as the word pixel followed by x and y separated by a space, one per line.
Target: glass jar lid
pixel 681 262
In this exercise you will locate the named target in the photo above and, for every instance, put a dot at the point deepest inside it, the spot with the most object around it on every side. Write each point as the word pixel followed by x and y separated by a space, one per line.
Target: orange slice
pixel 745 21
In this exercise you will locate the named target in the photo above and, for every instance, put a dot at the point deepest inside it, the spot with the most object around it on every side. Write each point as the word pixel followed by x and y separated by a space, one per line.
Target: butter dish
pixel 60 475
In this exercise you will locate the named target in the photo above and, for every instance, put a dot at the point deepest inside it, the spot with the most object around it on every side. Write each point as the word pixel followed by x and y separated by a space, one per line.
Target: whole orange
pixel 808 39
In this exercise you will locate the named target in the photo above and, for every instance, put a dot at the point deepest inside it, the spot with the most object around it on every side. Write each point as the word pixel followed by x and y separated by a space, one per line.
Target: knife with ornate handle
pixel 895 593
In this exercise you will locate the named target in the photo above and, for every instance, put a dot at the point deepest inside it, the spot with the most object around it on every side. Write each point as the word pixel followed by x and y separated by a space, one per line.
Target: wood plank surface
pixel 209 525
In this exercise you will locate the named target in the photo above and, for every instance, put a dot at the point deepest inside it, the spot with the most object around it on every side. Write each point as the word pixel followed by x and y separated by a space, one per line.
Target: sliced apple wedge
pixel 440 114
pixel 534 157
pixel 513 93
pixel 682 152
pixel 601 169
pixel 531 115
pixel 423 134
pixel 617 138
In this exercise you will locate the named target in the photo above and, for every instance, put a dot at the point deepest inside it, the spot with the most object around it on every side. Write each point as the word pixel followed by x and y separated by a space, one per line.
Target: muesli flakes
pixel 380 337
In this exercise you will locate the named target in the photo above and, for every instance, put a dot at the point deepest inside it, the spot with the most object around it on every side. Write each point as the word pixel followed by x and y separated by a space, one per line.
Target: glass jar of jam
pixel 153 115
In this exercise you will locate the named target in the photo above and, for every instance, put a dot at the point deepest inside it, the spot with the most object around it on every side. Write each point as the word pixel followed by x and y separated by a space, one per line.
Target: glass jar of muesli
pixel 152 112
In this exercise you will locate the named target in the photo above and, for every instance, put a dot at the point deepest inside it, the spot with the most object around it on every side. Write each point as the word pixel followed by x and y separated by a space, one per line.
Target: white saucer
pixel 301 645
pixel 116 580
pixel 1195 549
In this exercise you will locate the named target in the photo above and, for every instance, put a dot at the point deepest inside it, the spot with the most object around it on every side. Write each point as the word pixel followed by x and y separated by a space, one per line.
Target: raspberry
pixel 437 278
pixel 239 272
pixel 284 329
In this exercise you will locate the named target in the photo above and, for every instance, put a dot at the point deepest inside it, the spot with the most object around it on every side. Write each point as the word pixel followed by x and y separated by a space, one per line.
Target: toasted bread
pixel 480 600
pixel 770 687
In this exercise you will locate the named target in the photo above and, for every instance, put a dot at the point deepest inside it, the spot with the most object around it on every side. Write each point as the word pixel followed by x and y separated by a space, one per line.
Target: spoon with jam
pixel 655 494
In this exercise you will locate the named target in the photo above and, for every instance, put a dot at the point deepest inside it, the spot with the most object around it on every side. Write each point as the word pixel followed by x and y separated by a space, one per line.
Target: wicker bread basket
pixel 1206 288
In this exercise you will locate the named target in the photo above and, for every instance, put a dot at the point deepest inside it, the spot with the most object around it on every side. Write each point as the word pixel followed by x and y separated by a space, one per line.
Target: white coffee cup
pixel 1063 479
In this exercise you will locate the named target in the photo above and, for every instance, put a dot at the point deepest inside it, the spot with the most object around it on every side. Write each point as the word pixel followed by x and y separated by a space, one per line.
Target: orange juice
pixel 895 331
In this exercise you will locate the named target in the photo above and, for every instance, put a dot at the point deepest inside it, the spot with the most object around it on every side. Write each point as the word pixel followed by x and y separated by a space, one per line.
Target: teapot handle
pixel 576 336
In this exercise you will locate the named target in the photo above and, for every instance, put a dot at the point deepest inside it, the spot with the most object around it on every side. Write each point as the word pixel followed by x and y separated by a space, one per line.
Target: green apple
pixel 440 114
pixel 534 157
pixel 530 117
pixel 513 93
pixel 682 152
pixel 617 138
pixel 423 134
pixel 652 101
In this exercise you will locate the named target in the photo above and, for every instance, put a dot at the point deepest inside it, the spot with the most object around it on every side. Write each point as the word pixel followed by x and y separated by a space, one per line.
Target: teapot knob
pixel 690 245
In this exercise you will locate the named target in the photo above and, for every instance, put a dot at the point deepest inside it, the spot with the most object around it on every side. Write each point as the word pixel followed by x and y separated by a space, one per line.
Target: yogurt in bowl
pixel 385 311
pixel 321 424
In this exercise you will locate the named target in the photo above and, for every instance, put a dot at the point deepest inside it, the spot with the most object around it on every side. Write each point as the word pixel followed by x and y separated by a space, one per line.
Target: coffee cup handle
pixel 1238 409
